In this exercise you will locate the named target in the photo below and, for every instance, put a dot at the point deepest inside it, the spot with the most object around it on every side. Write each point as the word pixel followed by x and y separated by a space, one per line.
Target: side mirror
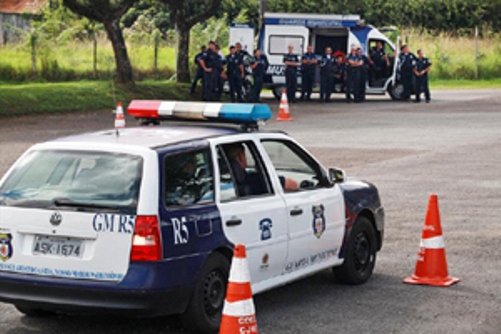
pixel 337 175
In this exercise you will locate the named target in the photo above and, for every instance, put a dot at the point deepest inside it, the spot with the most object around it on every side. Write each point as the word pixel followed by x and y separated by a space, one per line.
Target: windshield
pixel 70 180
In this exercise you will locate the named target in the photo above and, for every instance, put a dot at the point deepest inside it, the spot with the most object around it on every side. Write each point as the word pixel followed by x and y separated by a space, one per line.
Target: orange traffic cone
pixel 431 265
pixel 119 116
pixel 239 315
pixel 283 112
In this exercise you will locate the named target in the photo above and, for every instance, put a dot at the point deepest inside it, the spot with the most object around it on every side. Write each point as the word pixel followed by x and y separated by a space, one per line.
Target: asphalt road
pixel 449 147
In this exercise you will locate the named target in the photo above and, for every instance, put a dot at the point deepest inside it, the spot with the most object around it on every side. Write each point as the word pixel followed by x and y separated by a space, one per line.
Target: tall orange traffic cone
pixel 119 116
pixel 431 265
pixel 283 112
pixel 239 315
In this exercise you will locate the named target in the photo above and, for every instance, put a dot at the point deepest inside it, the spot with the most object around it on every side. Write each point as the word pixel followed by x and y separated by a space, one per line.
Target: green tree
pixel 109 13
pixel 185 14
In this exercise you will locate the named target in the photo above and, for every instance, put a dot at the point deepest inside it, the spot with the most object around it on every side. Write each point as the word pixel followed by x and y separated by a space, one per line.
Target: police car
pixel 143 220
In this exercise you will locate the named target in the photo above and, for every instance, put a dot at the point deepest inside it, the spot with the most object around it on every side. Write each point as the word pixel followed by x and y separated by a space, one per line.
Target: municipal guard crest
pixel 318 220
pixel 5 246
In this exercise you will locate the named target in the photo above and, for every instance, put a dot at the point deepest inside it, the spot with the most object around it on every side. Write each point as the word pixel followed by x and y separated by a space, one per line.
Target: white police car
pixel 143 220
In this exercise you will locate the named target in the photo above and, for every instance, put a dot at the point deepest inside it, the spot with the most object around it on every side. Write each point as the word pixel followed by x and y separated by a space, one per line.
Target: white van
pixel 319 30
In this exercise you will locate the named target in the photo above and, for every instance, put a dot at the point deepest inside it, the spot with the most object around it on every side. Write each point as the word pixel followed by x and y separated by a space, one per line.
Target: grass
pixel 454 57
pixel 39 98
pixel 73 61
pixel 465 84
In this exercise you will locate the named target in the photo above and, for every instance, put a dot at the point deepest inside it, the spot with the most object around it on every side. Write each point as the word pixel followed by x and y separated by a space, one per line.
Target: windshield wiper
pixel 84 205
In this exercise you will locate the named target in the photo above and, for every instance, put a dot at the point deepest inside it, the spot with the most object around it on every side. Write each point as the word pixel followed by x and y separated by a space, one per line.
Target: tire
pixel 277 92
pixel 203 314
pixel 396 91
pixel 360 256
pixel 33 312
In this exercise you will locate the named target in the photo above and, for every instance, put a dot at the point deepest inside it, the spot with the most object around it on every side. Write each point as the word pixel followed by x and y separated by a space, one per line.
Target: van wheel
pixel 277 92
pixel 396 91
pixel 203 314
pixel 33 312
pixel 360 256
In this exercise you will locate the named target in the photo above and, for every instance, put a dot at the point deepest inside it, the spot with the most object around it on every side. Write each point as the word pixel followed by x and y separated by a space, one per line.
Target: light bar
pixel 242 113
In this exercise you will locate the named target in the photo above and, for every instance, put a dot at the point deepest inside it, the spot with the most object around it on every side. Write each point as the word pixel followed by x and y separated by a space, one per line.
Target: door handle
pixel 296 212
pixel 233 222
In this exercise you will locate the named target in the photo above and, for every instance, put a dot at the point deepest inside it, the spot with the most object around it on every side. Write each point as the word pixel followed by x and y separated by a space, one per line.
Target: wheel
pixel 33 312
pixel 277 92
pixel 396 91
pixel 360 256
pixel 203 314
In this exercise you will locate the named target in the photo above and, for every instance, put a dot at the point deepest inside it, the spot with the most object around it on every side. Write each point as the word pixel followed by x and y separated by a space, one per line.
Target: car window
pixel 241 170
pixel 291 162
pixel 72 179
pixel 188 178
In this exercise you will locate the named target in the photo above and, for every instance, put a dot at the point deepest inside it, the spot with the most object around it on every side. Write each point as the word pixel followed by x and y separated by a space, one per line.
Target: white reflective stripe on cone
pixel 212 109
pixel 433 243
pixel 166 108
pixel 239 309
pixel 239 272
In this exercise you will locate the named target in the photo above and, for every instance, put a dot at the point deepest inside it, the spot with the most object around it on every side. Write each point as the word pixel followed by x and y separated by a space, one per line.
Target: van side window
pixel 278 44
pixel 242 162
pixel 188 178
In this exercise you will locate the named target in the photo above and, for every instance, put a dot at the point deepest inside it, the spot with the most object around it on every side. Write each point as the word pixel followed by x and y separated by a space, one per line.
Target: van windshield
pixel 73 180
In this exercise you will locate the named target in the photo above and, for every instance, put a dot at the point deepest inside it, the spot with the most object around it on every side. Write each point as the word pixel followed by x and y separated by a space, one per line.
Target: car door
pixel 315 207
pixel 256 215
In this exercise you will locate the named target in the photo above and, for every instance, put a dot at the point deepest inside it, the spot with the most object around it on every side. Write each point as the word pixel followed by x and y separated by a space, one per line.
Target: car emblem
pixel 56 219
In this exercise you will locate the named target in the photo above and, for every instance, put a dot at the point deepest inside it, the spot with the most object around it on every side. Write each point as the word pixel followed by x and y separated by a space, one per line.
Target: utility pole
pixel 263 7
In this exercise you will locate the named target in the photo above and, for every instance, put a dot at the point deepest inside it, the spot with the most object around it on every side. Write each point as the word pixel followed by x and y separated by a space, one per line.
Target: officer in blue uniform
pixel 308 65
pixel 327 75
pixel 234 73
pixel 364 73
pixel 199 74
pixel 259 67
pixel 407 64
pixel 210 62
pixel 354 64
pixel 379 62
pixel 220 73
pixel 291 62
pixel 423 66
pixel 339 70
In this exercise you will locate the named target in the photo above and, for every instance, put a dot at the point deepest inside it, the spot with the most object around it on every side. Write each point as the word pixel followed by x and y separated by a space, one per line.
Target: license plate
pixel 58 246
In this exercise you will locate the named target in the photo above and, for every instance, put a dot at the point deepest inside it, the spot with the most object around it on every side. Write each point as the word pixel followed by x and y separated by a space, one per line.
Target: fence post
pixel 476 52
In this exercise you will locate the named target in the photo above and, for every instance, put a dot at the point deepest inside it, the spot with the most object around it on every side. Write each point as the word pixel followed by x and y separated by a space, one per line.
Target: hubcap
pixel 362 252
pixel 214 293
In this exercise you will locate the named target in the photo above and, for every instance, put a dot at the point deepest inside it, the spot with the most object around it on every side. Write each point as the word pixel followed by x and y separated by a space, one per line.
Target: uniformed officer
pixel 209 62
pixel 364 71
pixel 339 70
pixel 199 74
pixel 308 65
pixel 259 67
pixel 379 62
pixel 220 73
pixel 327 75
pixel 291 62
pixel 407 64
pixel 423 66
pixel 234 73
pixel 354 64
pixel 241 52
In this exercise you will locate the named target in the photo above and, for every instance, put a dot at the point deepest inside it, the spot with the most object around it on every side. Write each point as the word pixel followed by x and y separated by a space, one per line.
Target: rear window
pixel 84 181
